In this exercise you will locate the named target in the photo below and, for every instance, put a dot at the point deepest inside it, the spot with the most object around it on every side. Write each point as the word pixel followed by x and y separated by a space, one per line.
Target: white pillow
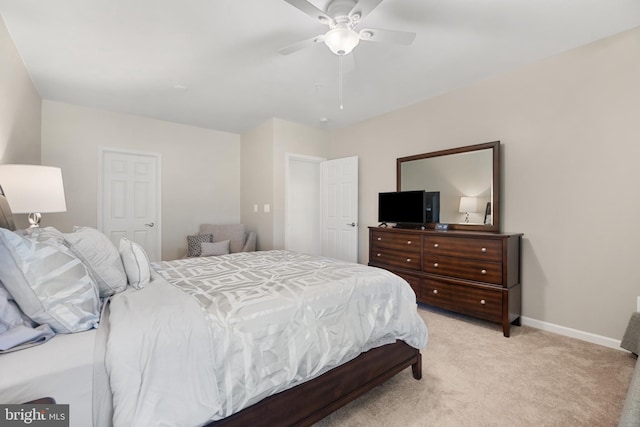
pixel 48 283
pixel 136 263
pixel 101 258
pixel 215 248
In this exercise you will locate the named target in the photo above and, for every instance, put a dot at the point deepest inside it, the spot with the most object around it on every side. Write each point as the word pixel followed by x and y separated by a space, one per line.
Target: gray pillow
pixel 234 233
pixel 16 331
pixel 101 258
pixel 215 248
pixel 49 284
pixel 194 243
pixel 10 315
pixel 46 234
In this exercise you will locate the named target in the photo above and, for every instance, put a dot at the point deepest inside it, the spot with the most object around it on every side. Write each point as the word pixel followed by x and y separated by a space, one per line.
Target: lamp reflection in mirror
pixel 468 205
pixel 33 189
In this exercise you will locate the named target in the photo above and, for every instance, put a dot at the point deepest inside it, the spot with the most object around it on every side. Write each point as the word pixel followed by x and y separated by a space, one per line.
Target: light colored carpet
pixel 473 376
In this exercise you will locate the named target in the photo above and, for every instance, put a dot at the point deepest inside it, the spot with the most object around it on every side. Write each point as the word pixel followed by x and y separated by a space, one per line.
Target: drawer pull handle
pixel 378 254
pixel 379 238
pixel 483 302
pixel 484 249
pixel 435 264
pixel 408 259
pixel 435 291
pixel 484 272
pixel 435 245
pixel 408 242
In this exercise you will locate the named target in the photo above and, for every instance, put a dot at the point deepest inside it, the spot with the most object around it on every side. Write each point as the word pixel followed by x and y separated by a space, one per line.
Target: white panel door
pixel 130 199
pixel 340 209
pixel 303 231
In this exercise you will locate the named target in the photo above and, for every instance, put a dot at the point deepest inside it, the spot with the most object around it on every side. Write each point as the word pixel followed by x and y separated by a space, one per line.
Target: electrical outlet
pixel 638 305
pixel 255 208
pixel 267 208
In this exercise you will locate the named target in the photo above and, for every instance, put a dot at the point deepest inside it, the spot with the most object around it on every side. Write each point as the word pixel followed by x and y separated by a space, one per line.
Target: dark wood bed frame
pixel 313 400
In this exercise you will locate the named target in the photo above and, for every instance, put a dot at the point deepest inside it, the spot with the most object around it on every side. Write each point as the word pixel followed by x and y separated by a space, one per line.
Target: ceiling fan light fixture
pixel 341 40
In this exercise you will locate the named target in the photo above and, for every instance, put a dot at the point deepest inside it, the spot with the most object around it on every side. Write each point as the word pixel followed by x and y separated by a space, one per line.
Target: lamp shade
pixel 33 188
pixel 468 204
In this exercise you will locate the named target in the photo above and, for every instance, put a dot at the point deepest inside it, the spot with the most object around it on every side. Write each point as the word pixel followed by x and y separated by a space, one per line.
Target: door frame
pixel 101 154
pixel 287 176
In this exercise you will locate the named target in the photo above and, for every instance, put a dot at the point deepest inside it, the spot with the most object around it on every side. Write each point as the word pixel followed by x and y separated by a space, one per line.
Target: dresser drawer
pixel 482 249
pixel 415 283
pixel 478 302
pixel 399 259
pixel 469 269
pixel 406 242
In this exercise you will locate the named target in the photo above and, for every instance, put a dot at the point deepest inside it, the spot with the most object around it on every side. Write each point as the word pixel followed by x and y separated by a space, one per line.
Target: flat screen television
pixel 409 208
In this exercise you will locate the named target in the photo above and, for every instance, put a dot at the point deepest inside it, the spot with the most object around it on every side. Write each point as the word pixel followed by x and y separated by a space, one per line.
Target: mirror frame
pixel 495 204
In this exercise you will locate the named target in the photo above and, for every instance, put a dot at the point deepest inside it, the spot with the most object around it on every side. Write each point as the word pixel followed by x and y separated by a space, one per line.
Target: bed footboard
pixel 313 400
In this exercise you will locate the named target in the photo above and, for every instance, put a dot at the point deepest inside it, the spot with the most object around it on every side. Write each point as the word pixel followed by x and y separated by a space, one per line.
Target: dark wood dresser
pixel 473 273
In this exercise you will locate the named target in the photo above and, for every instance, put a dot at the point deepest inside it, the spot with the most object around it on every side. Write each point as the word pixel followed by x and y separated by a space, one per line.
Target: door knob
pixel 151 224
pixel 353 224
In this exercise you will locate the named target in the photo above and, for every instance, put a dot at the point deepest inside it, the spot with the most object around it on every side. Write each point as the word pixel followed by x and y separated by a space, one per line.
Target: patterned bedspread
pixel 279 318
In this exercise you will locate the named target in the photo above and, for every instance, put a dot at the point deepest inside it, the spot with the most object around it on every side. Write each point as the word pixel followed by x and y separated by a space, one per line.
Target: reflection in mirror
pixel 467 175
pixel 467 179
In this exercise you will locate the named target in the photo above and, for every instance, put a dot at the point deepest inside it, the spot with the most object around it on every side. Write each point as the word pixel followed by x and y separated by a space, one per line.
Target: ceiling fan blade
pixel 387 36
pixel 363 8
pixel 301 45
pixel 311 10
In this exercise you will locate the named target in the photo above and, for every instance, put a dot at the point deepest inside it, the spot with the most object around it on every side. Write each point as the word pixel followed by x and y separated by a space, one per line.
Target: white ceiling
pixel 215 63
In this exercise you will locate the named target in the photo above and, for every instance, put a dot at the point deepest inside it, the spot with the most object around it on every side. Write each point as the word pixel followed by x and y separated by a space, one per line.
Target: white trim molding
pixel 572 333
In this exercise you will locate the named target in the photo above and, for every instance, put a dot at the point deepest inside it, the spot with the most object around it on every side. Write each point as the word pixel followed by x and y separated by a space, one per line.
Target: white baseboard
pixel 573 333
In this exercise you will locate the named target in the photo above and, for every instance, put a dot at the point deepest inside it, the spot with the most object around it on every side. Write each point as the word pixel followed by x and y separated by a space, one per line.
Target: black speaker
pixel 432 206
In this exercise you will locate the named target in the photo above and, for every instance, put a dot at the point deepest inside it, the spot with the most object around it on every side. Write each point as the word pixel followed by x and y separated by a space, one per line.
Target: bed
pixel 262 338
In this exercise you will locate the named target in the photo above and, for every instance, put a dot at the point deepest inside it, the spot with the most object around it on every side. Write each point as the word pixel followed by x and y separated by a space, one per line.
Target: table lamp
pixel 33 189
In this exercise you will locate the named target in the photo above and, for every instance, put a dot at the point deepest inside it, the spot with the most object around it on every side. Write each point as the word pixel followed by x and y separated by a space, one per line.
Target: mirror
pixel 468 179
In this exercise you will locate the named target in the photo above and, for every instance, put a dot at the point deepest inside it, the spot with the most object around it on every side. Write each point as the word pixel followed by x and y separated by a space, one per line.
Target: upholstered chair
pixel 211 240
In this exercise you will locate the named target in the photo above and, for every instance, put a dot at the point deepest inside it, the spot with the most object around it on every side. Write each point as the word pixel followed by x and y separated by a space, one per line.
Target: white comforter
pixel 231 330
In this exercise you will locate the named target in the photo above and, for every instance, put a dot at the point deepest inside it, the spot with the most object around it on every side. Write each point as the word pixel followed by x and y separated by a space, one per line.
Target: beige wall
pixel 200 168
pixel 19 110
pixel 256 168
pixel 263 174
pixel 569 127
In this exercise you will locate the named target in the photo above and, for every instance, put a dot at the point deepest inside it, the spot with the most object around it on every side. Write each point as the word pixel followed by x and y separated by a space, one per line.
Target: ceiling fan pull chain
pixel 340 80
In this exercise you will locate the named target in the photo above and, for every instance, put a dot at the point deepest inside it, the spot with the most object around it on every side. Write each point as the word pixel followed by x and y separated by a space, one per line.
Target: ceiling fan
pixel 342 17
